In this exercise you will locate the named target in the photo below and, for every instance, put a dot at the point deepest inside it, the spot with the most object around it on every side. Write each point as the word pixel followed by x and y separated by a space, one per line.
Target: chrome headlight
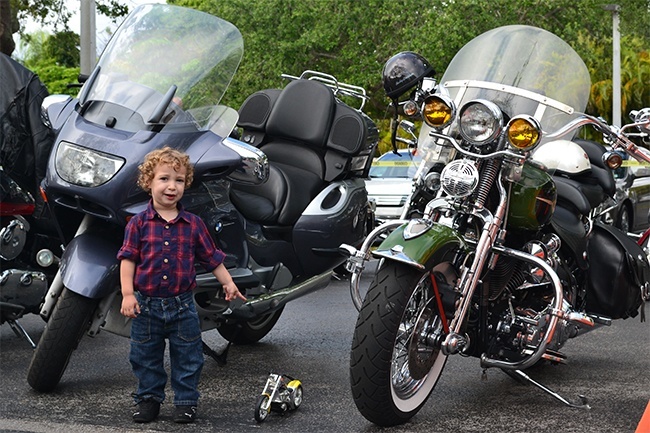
pixel 85 167
pixel 481 122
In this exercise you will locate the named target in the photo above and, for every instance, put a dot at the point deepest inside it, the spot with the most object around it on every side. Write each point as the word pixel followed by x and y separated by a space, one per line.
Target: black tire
pixel 624 220
pixel 260 413
pixel 251 331
pixel 400 297
pixel 68 323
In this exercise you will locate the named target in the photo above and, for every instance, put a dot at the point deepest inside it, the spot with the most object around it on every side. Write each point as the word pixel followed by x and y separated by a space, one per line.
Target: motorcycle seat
pixel 571 195
pixel 295 133
pixel 310 139
pixel 599 171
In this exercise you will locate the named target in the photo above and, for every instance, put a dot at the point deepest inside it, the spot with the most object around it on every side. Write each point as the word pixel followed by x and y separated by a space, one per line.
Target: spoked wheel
pixel 251 331
pixel 262 408
pixel 395 358
pixel 296 396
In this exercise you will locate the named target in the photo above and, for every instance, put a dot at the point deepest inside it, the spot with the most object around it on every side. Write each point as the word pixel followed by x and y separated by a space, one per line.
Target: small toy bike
pixel 281 393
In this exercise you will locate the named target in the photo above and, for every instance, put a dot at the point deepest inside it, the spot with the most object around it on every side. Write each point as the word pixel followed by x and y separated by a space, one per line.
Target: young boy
pixel 157 277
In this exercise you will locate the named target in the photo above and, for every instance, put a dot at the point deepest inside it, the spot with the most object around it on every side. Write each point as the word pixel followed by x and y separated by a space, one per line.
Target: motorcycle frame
pixel 401 248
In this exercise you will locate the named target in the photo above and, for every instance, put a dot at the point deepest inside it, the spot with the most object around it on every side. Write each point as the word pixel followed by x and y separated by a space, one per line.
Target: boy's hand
pixel 232 292
pixel 130 307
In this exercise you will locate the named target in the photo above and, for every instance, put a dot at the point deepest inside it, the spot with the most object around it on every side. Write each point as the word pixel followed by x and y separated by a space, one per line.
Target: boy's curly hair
pixel 166 155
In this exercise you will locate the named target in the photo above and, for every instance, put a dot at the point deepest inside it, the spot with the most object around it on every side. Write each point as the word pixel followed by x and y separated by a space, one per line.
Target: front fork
pixel 357 258
pixel 57 286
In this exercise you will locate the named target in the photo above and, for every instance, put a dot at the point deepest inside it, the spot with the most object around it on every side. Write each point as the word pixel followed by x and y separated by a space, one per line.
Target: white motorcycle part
pixel 563 156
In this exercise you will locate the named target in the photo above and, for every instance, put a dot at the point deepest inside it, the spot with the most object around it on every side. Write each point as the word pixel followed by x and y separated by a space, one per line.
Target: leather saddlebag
pixel 618 273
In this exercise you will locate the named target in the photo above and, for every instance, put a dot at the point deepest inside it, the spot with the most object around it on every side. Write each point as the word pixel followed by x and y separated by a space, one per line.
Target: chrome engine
pixel 13 237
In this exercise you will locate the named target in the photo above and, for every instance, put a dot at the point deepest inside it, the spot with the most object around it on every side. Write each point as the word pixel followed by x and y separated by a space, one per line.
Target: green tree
pixel 57 68
pixel 352 39
pixel 54 13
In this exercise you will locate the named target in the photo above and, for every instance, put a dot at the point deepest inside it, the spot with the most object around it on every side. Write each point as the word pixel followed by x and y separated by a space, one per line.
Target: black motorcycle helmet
pixel 403 71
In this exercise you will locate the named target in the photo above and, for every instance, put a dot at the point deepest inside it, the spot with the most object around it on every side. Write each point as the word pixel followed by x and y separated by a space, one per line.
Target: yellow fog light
pixel 523 132
pixel 438 111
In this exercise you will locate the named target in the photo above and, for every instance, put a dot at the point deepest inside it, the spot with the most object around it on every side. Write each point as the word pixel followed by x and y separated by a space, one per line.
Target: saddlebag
pixel 618 273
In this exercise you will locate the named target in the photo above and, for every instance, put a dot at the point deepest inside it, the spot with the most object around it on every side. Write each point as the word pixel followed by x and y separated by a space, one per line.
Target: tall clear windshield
pixel 167 64
pixel 524 70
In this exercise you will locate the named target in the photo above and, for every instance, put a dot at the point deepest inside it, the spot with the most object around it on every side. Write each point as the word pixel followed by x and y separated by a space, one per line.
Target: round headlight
pixel 480 122
pixel 438 111
pixel 410 108
pixel 523 132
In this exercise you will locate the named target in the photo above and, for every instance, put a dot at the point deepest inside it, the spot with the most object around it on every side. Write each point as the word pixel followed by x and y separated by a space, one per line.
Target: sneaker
pixel 185 414
pixel 147 411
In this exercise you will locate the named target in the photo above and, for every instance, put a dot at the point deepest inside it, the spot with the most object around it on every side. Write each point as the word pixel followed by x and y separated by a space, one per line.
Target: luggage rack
pixel 337 87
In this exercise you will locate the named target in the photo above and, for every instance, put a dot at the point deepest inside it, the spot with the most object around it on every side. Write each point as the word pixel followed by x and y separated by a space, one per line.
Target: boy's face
pixel 167 186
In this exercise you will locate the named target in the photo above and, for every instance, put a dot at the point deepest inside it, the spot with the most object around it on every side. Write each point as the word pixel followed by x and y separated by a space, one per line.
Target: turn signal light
pixel 613 160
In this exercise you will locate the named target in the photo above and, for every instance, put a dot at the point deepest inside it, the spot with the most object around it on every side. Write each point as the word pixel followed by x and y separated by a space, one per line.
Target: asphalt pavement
pixel 311 342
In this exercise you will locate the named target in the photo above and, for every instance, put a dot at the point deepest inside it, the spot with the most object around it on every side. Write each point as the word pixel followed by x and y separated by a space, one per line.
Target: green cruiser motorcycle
pixel 505 260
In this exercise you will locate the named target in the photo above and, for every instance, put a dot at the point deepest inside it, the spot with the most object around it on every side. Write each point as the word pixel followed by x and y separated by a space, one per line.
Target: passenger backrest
pixel 310 139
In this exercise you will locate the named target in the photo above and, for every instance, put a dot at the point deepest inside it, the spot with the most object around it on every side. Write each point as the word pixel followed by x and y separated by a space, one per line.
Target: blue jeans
pixel 174 319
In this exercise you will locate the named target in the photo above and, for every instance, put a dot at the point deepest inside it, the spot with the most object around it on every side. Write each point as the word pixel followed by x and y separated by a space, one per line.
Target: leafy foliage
pixel 351 39
pixel 55 59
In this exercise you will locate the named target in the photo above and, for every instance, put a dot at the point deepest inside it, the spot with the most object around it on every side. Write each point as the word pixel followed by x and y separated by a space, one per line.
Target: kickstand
pixel 219 357
pixel 20 332
pixel 520 375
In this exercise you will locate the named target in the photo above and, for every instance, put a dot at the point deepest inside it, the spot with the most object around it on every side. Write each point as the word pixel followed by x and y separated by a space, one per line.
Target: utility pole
pixel 616 64
pixel 88 36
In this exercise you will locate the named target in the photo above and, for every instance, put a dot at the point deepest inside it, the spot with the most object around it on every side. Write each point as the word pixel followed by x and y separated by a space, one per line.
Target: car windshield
pixel 391 165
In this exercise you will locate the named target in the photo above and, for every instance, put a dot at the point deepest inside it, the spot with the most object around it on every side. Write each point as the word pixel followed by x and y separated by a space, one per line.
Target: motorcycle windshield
pixel 524 70
pixel 165 66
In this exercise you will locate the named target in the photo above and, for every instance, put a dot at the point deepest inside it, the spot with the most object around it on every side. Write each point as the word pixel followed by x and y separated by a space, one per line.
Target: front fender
pixel 419 250
pixel 90 267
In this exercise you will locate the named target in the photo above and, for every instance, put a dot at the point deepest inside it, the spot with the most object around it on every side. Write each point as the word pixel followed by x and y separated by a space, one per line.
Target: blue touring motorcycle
pixel 279 201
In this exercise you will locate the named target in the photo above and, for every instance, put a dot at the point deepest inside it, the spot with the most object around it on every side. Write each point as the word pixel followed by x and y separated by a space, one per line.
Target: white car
pixel 390 183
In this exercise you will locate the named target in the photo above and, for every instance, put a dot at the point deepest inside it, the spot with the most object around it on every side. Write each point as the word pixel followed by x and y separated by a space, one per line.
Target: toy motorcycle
pixel 280 394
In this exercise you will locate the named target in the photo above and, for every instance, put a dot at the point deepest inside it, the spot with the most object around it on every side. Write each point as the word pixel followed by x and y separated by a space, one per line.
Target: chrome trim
pixel 358 258
pixel 512 90
pixel 254 169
